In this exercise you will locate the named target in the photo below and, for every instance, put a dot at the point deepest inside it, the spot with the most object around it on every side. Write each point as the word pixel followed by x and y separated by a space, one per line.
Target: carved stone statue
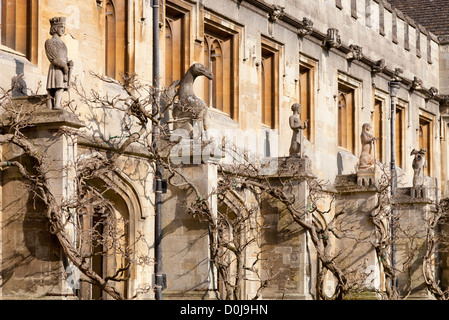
pixel 418 165
pixel 306 28
pixel 332 39
pixel 297 127
pixel 367 156
pixel 189 107
pixel 60 67
pixel 355 52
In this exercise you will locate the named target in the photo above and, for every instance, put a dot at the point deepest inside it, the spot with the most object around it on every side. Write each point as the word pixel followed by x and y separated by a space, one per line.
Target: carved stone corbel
pixel 379 66
pixel 332 39
pixel 397 76
pixel 355 53
pixel 432 93
pixel 306 28
pixel 276 13
pixel 416 84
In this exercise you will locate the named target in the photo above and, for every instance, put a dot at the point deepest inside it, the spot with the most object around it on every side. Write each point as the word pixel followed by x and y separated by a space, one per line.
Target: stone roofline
pixel 275 13
pixel 409 19
pixel 269 8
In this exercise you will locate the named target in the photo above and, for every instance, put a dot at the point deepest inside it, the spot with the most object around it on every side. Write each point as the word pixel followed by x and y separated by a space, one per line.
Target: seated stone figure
pixel 418 165
pixel 367 158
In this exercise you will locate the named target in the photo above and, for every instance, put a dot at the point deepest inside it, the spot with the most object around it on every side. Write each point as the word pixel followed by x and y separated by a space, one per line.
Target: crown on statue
pixel 56 21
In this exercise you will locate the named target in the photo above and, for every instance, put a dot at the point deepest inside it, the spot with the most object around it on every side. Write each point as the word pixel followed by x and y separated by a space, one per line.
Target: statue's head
pixel 366 127
pixel 296 107
pixel 56 23
pixel 199 69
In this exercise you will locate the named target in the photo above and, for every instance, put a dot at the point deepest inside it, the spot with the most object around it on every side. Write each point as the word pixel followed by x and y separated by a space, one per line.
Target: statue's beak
pixel 210 76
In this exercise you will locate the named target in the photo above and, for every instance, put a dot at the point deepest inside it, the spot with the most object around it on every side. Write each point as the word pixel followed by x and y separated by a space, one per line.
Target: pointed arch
pixel 221 52
pixel 116 48
pixel 19 30
pixel 123 210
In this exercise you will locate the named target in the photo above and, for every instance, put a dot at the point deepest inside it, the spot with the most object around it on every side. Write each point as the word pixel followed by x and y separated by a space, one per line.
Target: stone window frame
pixel 183 11
pixel 28 47
pixel 382 97
pixel 347 82
pixel 312 66
pixel 270 47
pixel 116 44
pixel 401 142
pixel 234 31
pixel 425 116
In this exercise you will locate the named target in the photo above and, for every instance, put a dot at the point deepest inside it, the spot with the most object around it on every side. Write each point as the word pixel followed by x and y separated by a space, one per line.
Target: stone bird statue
pixel 189 107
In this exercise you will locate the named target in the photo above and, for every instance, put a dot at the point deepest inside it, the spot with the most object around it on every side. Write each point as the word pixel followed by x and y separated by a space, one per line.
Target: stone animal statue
pixel 418 165
pixel 189 107
pixel 367 159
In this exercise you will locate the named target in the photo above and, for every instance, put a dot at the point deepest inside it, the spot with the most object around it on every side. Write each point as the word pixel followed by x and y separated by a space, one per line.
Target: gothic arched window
pixel 346 112
pixel 116 48
pixel 19 26
pixel 221 57
pixel 269 84
pixel 425 140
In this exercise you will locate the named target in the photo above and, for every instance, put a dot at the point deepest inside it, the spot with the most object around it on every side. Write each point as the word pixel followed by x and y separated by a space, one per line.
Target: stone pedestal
pixel 295 166
pixel 287 250
pixel 32 263
pixel 357 200
pixel 185 243
pixel 413 206
pixel 368 177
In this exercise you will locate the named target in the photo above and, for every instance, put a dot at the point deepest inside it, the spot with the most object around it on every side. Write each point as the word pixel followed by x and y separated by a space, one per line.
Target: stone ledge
pixel 36 114
pixel 348 183
pixel 414 195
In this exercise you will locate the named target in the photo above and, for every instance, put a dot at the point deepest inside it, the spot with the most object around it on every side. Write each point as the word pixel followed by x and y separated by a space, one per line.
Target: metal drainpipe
pixel 437 244
pixel 394 87
pixel 159 281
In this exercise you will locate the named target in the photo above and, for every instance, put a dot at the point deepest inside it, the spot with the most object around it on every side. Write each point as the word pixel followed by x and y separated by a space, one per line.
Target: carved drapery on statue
pixel 58 79
pixel 296 125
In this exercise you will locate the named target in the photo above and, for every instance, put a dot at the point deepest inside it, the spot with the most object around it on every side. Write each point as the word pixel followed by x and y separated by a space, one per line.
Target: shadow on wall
pixel 346 162
pixel 18 82
pixel 30 253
